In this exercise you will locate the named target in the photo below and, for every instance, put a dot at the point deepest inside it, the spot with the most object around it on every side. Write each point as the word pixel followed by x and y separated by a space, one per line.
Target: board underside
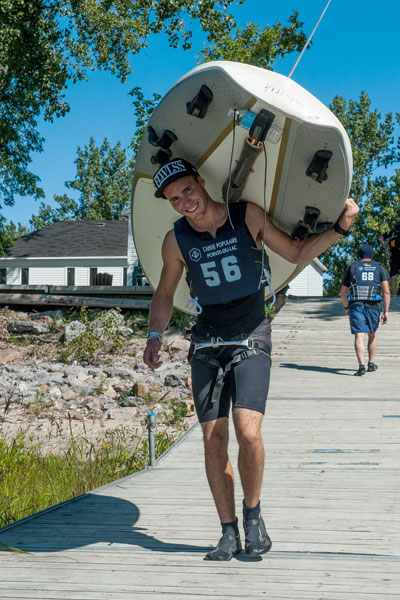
pixel 302 126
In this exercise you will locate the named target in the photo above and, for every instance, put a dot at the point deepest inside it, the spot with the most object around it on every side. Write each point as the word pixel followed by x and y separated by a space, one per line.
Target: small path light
pixel 151 425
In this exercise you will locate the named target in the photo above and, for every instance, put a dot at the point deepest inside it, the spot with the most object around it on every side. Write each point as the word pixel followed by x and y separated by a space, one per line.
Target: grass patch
pixel 270 311
pixel 31 480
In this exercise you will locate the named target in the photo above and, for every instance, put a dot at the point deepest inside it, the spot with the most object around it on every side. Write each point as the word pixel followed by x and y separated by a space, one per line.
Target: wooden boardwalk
pixel 330 494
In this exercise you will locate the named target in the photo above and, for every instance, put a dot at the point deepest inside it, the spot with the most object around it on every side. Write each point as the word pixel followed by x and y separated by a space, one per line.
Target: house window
pixel 93 273
pixel 125 276
pixel 3 276
pixel 70 276
pixel 25 276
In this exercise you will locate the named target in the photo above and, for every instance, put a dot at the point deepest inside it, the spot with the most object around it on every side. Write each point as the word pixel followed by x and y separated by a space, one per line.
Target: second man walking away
pixel 365 287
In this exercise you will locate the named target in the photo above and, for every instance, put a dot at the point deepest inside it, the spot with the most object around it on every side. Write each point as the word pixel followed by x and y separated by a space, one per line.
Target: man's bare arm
pixel 295 251
pixel 386 301
pixel 344 292
pixel 162 302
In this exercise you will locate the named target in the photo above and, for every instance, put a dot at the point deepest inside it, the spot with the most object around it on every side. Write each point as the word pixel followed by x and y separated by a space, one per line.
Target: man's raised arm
pixel 296 251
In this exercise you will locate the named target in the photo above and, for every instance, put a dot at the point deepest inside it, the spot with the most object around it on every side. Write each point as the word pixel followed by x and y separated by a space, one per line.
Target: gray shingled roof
pixel 74 238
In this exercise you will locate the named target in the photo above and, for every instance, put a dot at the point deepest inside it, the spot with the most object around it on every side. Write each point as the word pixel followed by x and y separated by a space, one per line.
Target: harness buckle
pixel 216 342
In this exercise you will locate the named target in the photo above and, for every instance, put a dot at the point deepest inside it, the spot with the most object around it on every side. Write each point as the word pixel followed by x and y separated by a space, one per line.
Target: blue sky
pixel 355 48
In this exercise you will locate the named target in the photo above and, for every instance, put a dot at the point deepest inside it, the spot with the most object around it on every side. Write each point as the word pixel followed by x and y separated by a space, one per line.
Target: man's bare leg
pixel 359 347
pixel 221 481
pixel 251 468
pixel 372 346
pixel 251 452
pixel 218 467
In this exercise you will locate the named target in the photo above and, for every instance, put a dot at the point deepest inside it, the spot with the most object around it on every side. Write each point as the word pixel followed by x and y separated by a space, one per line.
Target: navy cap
pixel 171 171
pixel 366 251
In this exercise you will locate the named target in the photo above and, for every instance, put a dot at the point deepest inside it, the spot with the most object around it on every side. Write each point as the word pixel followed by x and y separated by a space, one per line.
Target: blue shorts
pixel 364 318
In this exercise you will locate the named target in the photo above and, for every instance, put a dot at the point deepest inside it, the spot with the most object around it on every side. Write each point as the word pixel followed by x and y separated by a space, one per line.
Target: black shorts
pixel 245 385
pixel 394 264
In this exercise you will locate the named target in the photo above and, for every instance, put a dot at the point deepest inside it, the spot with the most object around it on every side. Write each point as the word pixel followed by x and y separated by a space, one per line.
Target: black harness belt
pixel 252 346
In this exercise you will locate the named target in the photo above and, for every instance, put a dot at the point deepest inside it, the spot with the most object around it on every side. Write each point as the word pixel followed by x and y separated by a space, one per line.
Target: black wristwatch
pixel 342 231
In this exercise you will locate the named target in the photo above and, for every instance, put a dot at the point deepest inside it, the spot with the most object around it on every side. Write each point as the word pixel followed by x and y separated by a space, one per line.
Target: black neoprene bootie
pixel 256 540
pixel 229 545
pixel 372 367
pixel 361 371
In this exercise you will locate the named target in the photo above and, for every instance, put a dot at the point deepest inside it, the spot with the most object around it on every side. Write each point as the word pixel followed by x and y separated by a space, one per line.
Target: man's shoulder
pixel 383 273
pixel 170 244
pixel 170 251
pixel 352 266
pixel 252 208
pixel 170 235
pixel 254 215
pixel 346 281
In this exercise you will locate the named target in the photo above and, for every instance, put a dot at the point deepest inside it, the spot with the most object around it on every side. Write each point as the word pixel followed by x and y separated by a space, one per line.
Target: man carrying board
pixel 222 253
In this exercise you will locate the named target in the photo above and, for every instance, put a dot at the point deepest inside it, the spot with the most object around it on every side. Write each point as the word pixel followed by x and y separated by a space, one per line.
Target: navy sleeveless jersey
pixel 223 268
pixel 366 281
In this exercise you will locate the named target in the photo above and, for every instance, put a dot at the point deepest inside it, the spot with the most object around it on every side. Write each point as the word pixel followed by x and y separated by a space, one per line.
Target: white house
pixel 77 253
pixel 72 253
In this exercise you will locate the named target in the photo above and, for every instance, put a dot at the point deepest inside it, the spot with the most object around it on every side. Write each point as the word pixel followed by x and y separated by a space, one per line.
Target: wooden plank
pixel 330 495
pixel 50 299
pixel 212 587
pixel 121 290
pixel 64 290
pixel 183 579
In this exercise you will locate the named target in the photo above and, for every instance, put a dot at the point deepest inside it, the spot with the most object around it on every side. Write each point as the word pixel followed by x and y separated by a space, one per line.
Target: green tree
pixel 48 44
pixel 103 180
pixel 375 186
pixel 104 176
pixel 143 109
pixel 8 233
pixel 255 45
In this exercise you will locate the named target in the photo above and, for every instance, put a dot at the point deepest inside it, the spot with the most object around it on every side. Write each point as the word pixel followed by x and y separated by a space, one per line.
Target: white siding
pixel 82 276
pixel 299 285
pixel 13 275
pixel 315 282
pixel 307 283
pixel 47 275
pixel 132 254
pixel 54 271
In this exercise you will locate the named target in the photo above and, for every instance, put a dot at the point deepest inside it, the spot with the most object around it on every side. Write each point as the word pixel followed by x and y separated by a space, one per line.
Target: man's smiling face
pixel 188 196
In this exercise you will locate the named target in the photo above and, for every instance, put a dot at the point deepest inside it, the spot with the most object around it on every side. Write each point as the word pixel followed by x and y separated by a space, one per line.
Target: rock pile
pixel 123 382
pixel 34 379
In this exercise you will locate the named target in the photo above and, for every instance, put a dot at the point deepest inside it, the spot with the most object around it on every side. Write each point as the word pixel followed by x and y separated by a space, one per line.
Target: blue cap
pixel 366 251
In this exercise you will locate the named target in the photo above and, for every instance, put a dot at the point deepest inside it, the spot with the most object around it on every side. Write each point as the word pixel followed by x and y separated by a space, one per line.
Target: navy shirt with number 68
pixel 365 274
